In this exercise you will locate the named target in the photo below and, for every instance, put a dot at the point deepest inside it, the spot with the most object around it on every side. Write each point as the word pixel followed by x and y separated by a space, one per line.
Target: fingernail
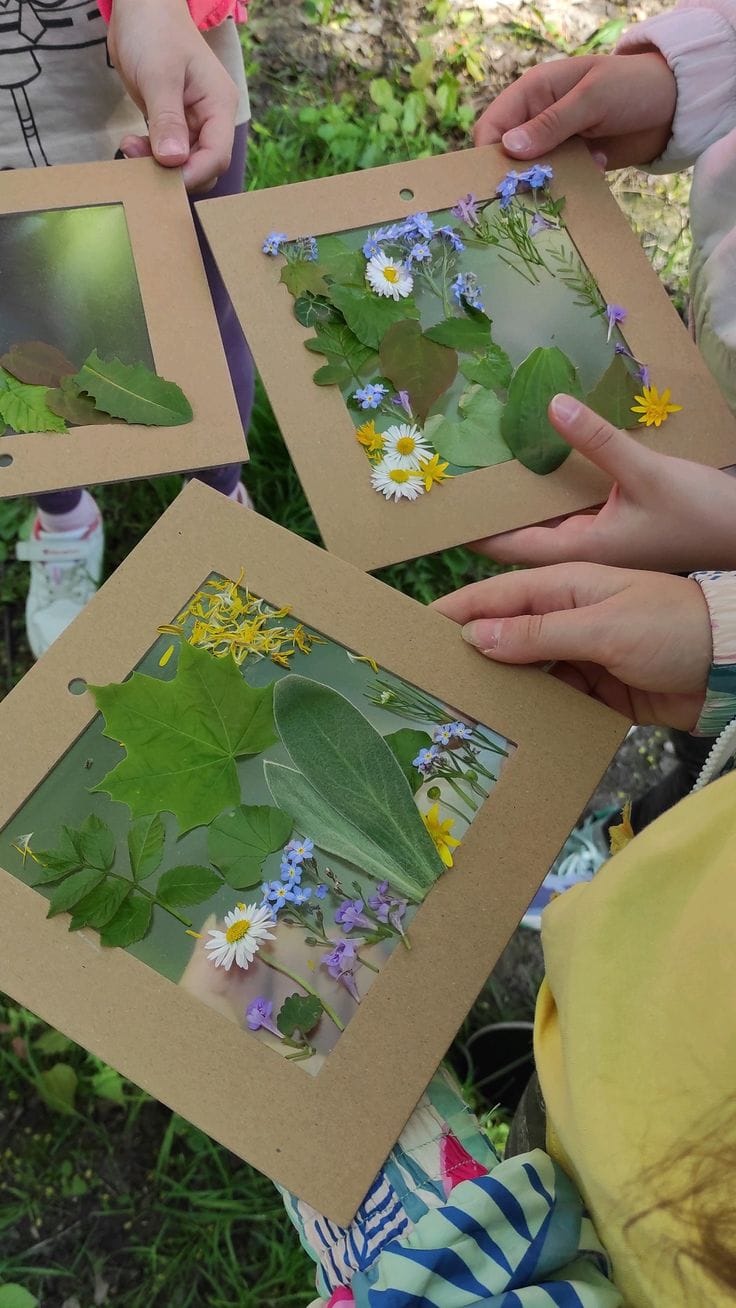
pixel 565 408
pixel 168 148
pixel 482 635
pixel 599 159
pixel 517 139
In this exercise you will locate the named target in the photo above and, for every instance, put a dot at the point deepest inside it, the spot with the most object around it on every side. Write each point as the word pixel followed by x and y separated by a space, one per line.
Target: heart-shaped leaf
pixel 525 426
pixel 369 316
pixel 311 309
pixel 58 1086
pixel 37 364
pixel 146 846
pixel 68 402
pixel 181 886
pixel 239 842
pixel 133 392
pixel 299 1013
pixel 130 924
pixel 469 335
pixel 417 365
pixel 493 370
pixel 24 408
pixel 304 276
pixel 475 441
pixel 340 263
pixel 405 744
pixel 613 395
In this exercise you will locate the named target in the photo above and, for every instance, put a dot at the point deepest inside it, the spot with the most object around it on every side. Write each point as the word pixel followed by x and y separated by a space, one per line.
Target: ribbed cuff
pixel 699 44
pixel 719 591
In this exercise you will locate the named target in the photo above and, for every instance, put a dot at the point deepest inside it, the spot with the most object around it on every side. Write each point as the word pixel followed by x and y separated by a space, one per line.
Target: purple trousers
pixel 238 355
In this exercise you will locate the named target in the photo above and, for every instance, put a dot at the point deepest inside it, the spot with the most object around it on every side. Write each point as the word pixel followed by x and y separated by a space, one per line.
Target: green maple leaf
pixel 23 408
pixel 182 737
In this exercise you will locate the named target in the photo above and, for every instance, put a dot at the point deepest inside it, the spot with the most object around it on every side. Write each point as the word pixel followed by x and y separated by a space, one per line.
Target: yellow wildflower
pixel 369 438
pixel 653 407
pixel 440 833
pixel 433 471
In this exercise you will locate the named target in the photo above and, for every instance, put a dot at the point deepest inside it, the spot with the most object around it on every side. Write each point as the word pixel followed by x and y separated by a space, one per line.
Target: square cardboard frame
pixel 185 338
pixel 355 521
pixel 146 1026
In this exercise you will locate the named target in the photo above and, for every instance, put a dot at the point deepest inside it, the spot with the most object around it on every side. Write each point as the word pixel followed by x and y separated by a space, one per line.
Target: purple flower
pixel 402 399
pixel 322 891
pixel 350 915
pixel 427 760
pixel 258 1015
pixel 419 224
pixel 340 962
pixel 419 253
pixel 370 396
pixel 466 287
pixel 615 314
pixel 540 224
pixel 508 187
pixel 642 373
pixel 623 349
pixel 466 210
pixel 537 176
pixel 306 249
pixel 452 237
pixel 273 242
pixel 387 907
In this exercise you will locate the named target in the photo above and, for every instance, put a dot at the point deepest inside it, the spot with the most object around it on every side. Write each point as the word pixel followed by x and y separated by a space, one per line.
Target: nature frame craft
pixel 169 1042
pixel 180 322
pixel 357 523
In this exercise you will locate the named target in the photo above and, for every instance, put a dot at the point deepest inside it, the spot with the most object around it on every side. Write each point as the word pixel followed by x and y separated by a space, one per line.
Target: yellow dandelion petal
pixel 440 832
pixel 363 658
pixel 654 408
pixel 371 440
pixel 165 657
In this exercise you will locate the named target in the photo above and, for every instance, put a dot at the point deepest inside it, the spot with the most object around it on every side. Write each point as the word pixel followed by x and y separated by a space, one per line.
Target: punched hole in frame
pixel 406 194
pixel 5 460
pixel 77 686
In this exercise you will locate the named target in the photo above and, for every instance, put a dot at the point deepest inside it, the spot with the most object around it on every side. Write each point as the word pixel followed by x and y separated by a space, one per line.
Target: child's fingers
pixel 569 634
pixel 622 458
pixel 167 124
pixel 535 546
pixel 213 152
pixel 540 590
pixel 527 97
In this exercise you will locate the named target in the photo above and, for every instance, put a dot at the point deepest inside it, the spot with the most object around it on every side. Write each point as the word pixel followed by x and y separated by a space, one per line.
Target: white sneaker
pixel 66 567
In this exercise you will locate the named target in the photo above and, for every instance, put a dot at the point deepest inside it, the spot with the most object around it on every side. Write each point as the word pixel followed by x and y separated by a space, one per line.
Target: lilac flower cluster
pixel 340 963
pixel 415 234
pixel 259 1016
pixel 387 907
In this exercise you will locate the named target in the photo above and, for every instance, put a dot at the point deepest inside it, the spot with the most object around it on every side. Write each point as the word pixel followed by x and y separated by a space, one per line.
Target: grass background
pixel 105 1196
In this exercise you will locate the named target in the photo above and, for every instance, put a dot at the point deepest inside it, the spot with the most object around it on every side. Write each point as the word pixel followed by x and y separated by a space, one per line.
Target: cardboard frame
pixel 393 1043
pixel 355 521
pixel 185 338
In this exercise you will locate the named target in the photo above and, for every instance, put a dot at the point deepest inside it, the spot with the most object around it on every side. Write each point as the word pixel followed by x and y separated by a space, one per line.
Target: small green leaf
pixel 525 426
pixel 303 276
pixel 58 862
pixel 24 409
pixel 417 365
pixel 74 889
pixel 369 316
pixel 613 395
pixel 493 370
pixel 52 1042
pixel 299 1013
pixel 146 846
pixel 68 402
pixel 181 886
pixel 100 906
pixel 311 309
pixel 131 922
pixel 347 358
pixel 108 1084
pixel 58 1087
pixel 475 441
pixel 238 842
pixel 340 263
pixel 469 335
pixel 405 744
pixel 37 364
pixel 96 843
pixel 133 392
pixel 15 1296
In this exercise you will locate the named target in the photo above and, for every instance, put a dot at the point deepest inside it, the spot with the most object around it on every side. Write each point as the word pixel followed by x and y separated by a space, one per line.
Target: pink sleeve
pixel 698 40
pixel 206 13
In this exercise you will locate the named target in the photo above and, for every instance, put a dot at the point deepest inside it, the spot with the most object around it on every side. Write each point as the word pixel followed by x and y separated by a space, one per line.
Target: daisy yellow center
pixel 405 445
pixel 401 475
pixel 391 274
pixel 236 932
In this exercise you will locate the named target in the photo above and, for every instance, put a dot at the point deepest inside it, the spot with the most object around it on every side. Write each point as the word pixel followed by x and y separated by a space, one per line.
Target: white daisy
pixel 246 928
pixel 396 482
pixel 406 444
pixel 389 277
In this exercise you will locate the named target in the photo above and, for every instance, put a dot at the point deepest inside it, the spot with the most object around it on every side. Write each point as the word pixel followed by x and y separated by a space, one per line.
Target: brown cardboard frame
pixel 393 1043
pixel 185 338
pixel 356 522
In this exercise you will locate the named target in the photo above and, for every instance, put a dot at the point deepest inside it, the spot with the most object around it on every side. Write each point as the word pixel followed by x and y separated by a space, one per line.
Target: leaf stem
pixel 148 894
pixel 299 980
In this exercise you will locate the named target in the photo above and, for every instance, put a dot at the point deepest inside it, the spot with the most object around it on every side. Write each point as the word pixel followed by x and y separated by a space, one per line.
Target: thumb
pixel 607 448
pixel 572 635
pixel 167 124
pixel 557 122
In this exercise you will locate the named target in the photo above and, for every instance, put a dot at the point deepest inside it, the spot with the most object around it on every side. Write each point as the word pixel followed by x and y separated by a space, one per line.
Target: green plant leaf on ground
pixel 131 922
pixel 69 403
pixel 14 1296
pixel 74 889
pixel 347 761
pixel 299 1013
pixel 525 426
pixel 132 392
pixel 340 263
pixel 37 364
pixel 613 395
pixel 24 409
pixel 95 843
pixel 239 842
pixel 100 906
pixel 369 316
pixel 58 1089
pixel 181 886
pixel 303 276
pixel 417 365
pixel 405 744
pixel 146 839
pixel 108 1084
pixel 469 335
pixel 475 441
pixel 347 357
pixel 311 309
pixel 182 737
pixel 492 370
pixel 52 1042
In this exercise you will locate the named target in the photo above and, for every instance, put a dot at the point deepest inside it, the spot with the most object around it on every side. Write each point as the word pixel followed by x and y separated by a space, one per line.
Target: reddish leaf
pixel 37 364
pixel 417 365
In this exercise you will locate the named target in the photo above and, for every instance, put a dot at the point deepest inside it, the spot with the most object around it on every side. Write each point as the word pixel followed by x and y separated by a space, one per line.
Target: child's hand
pixel 188 99
pixel 638 641
pixel 622 105
pixel 662 513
